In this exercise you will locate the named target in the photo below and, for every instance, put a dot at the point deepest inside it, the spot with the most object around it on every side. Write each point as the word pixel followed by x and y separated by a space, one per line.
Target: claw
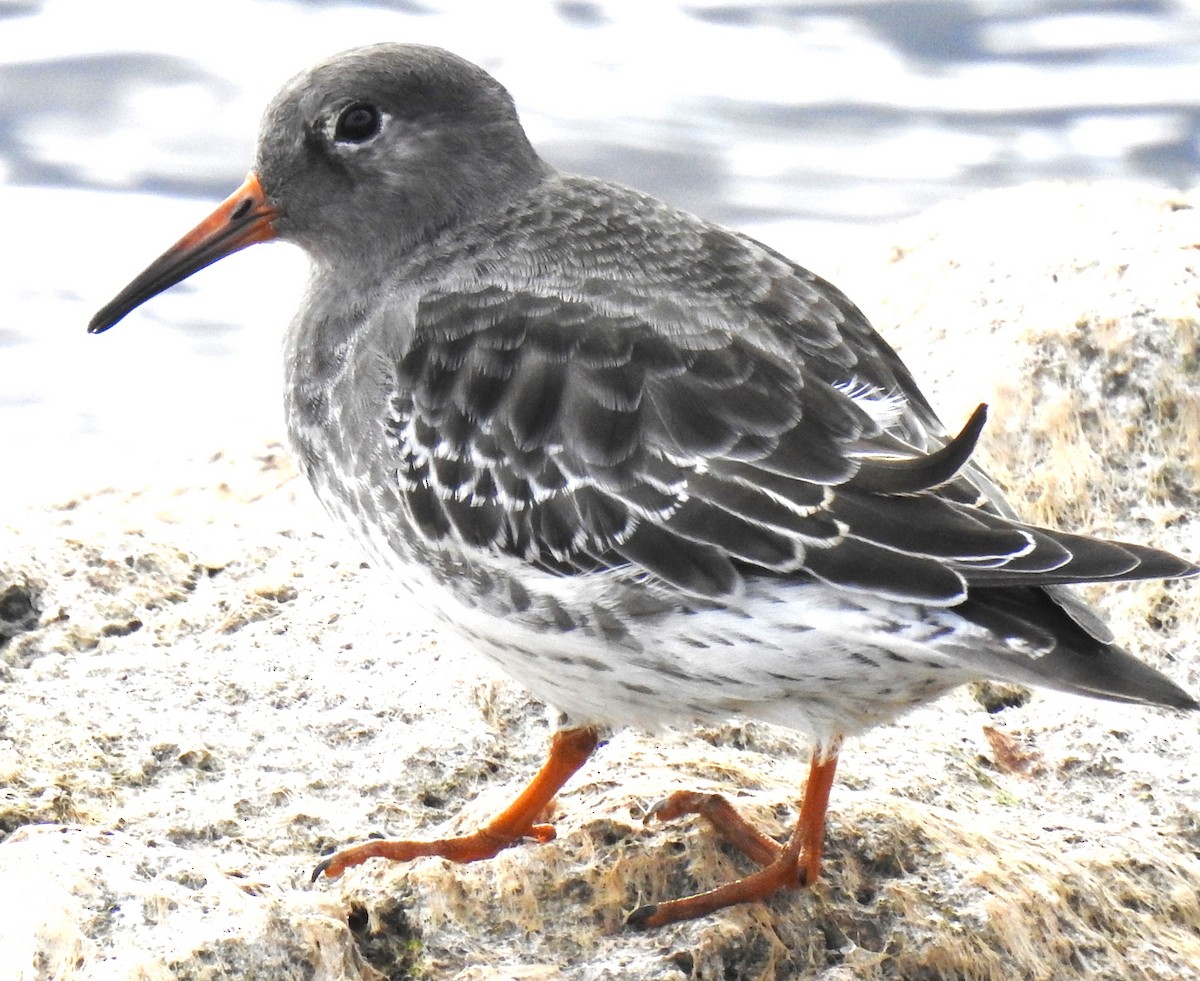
pixel 637 920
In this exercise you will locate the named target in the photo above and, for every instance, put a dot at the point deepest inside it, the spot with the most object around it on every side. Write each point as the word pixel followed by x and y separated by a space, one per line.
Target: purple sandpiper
pixel 654 470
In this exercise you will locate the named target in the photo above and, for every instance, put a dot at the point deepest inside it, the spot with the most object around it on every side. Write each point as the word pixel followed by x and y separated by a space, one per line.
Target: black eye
pixel 357 123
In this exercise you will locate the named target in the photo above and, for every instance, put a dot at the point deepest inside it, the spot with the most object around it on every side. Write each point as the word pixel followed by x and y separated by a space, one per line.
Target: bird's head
pixel 360 159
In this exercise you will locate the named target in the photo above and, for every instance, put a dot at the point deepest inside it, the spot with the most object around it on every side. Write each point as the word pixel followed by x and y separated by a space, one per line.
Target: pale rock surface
pixel 202 688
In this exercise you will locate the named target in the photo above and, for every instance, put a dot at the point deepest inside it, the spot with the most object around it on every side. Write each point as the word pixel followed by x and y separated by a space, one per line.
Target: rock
pixel 105 904
pixel 204 689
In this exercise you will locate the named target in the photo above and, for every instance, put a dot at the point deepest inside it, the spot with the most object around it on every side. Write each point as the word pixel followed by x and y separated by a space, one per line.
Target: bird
pixel 654 470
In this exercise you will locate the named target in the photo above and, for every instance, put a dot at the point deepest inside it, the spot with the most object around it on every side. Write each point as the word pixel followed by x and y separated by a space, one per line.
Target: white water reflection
pixel 123 122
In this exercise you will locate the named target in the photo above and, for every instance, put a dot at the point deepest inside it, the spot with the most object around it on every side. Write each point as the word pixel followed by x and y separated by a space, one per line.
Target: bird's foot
pixel 787 871
pixel 569 750
pixel 725 820
pixel 796 864
pixel 474 847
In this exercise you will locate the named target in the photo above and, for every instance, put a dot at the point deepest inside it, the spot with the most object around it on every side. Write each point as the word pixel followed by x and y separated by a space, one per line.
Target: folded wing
pixel 583 439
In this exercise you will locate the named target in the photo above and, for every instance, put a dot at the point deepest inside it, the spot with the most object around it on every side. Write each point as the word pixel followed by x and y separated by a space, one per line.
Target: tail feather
pixel 1111 673
pixel 1047 647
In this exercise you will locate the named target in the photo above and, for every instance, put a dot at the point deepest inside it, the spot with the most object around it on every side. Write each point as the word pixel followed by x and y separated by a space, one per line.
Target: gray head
pixel 380 147
pixel 360 159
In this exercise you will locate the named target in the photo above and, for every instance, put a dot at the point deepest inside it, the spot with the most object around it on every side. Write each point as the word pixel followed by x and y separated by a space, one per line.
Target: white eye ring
pixel 358 123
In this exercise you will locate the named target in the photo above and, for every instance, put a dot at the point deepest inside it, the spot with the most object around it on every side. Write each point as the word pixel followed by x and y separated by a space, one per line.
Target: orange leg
pixel 569 750
pixel 783 866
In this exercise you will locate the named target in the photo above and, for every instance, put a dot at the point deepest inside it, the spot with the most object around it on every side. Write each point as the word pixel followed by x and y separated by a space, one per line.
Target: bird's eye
pixel 357 123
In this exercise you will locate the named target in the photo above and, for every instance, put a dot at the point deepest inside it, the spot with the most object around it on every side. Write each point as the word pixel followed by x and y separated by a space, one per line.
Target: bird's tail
pixel 1048 647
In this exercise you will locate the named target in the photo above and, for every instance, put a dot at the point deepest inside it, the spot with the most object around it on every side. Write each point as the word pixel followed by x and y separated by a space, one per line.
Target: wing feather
pixel 583 439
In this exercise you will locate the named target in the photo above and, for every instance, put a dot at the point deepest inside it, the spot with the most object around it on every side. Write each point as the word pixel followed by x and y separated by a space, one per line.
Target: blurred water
pixel 123 122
